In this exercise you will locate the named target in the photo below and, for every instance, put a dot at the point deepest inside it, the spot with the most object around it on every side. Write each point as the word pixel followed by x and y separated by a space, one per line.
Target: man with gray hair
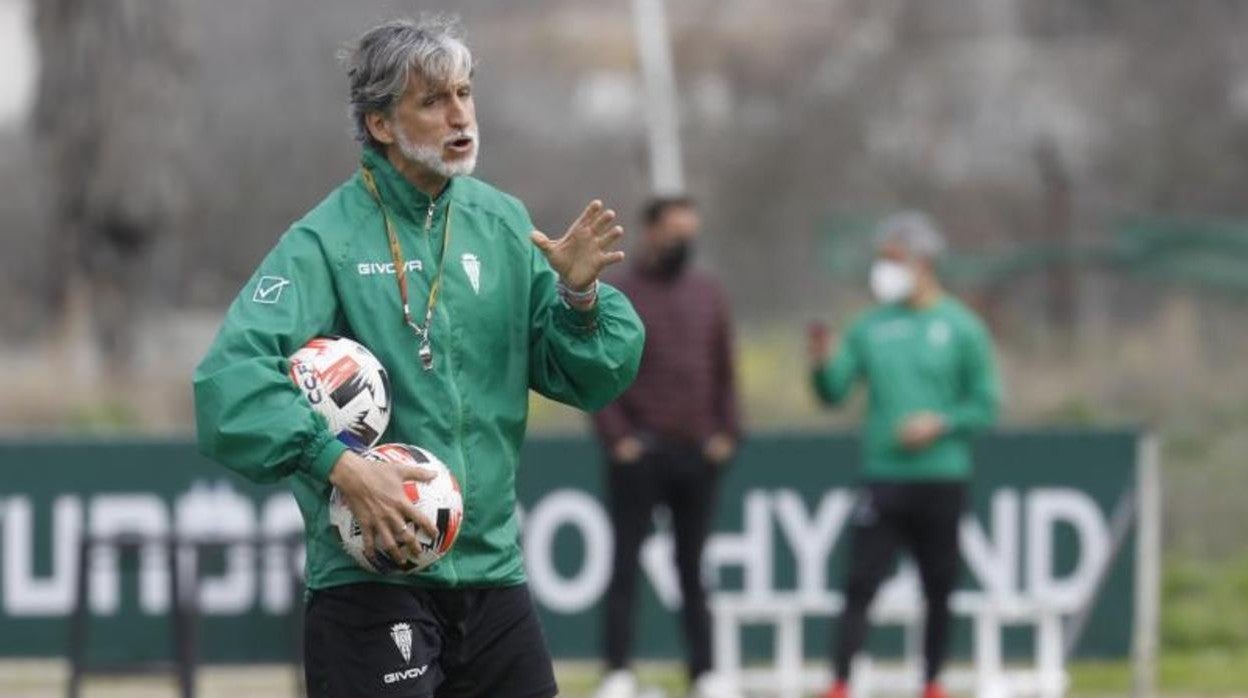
pixel 445 280
pixel 931 382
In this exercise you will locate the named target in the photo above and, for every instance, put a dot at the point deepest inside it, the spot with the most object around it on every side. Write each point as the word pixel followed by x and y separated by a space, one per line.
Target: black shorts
pixel 375 640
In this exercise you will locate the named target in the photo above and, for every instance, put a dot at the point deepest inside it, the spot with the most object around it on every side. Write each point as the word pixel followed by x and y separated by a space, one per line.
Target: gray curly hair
pixel 380 63
pixel 915 232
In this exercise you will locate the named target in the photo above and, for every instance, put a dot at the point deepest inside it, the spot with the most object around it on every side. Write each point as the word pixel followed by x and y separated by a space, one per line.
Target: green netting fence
pixel 1208 254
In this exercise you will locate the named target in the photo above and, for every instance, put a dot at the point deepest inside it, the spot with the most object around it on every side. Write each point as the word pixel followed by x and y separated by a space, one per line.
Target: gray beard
pixel 430 157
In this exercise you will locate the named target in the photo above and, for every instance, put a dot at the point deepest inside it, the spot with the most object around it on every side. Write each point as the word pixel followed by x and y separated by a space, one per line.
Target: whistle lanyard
pixel 400 269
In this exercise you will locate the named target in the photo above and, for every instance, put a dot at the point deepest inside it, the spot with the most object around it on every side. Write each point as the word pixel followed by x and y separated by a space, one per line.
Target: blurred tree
pixel 110 124
pixel 1058 227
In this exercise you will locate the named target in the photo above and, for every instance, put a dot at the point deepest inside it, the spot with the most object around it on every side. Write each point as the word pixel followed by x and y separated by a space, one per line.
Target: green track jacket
pixel 493 339
pixel 938 359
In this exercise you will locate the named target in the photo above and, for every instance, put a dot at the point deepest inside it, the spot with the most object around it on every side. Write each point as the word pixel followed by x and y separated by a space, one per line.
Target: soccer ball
pixel 438 499
pixel 347 385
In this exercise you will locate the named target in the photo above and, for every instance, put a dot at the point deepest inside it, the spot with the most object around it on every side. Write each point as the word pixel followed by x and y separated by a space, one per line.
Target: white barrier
pixel 789 677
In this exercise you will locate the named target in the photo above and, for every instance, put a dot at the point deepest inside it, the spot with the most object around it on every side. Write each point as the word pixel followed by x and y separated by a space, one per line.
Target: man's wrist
pixel 323 464
pixel 342 471
pixel 582 300
pixel 581 288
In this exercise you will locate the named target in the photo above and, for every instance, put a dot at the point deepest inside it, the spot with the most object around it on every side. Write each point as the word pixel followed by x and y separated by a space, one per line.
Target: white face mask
pixel 891 282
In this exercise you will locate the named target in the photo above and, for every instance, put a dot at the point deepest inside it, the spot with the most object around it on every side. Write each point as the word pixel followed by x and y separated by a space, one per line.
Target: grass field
pixel 1212 674
pixel 1224 675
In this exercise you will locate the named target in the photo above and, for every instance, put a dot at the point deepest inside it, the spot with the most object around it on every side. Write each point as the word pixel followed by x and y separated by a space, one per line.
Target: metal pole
pixel 183 592
pixel 78 624
pixel 297 610
pixel 658 78
pixel 1147 570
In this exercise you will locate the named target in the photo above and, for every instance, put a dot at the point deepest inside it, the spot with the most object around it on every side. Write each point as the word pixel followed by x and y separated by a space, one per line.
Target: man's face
pixel 677 225
pixel 434 126
pixel 894 252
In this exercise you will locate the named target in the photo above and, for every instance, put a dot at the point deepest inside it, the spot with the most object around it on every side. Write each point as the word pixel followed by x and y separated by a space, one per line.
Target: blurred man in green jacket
pixel 445 279
pixel 931 379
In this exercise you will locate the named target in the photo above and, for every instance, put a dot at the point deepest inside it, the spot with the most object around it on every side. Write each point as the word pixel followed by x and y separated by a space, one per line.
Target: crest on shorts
pixel 401 633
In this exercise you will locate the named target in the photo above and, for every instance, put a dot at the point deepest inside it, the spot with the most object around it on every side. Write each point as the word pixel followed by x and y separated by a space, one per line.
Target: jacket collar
pixel 398 194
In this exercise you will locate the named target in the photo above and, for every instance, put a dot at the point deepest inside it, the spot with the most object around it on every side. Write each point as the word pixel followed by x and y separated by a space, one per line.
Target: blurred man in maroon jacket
pixel 669 435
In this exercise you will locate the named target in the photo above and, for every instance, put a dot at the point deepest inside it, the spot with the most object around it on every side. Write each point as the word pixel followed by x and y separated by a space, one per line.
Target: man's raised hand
pixel 586 249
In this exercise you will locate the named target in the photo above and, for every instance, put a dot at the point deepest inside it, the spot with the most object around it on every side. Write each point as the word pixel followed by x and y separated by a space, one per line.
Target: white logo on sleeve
pixel 401 633
pixel 269 289
pixel 472 267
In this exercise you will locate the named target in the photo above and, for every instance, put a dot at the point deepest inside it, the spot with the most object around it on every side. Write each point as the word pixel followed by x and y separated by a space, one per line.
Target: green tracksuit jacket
pixel 332 274
pixel 938 359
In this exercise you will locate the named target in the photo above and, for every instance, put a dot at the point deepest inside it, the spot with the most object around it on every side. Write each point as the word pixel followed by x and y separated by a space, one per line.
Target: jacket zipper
pixel 459 446
pixel 459 400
